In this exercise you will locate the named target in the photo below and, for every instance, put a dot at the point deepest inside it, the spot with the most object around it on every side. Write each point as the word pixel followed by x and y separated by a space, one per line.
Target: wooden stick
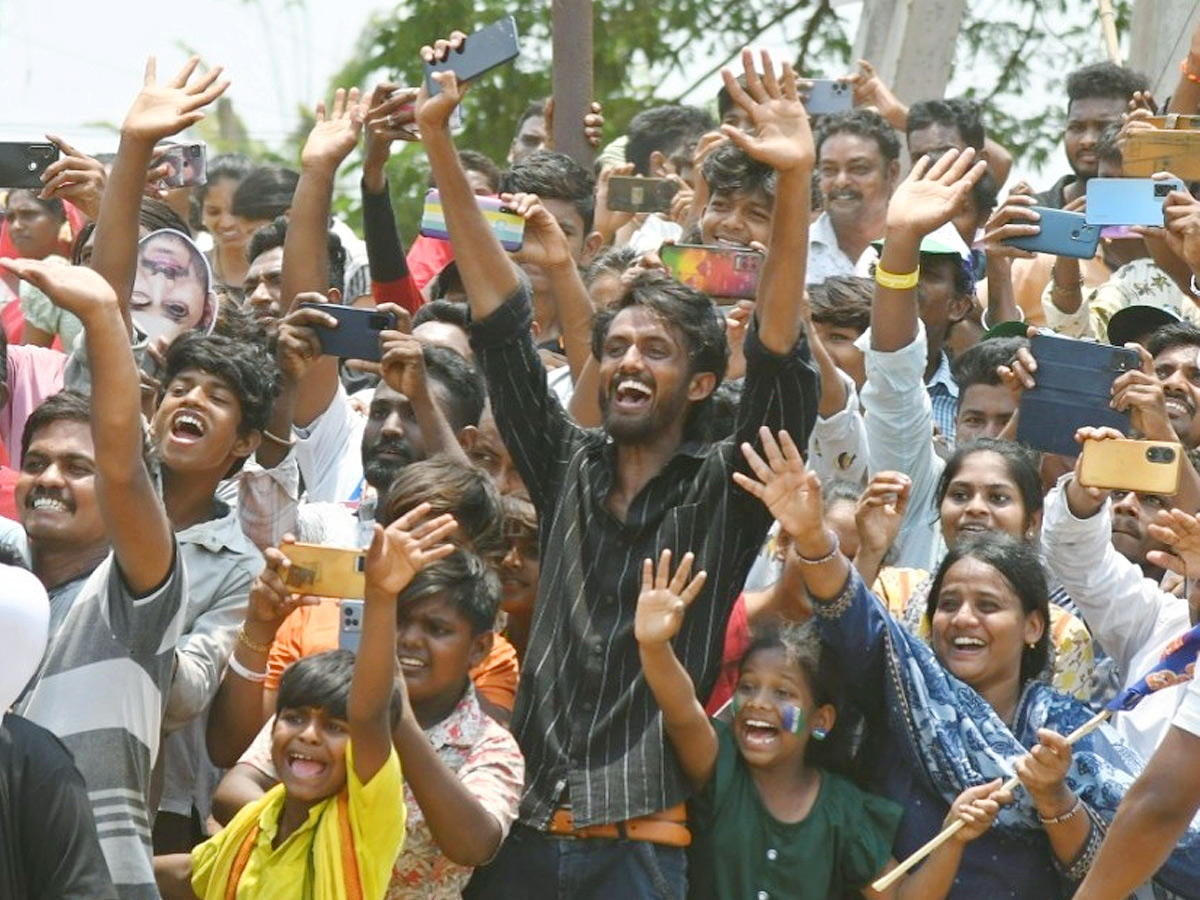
pixel 882 884
pixel 1108 25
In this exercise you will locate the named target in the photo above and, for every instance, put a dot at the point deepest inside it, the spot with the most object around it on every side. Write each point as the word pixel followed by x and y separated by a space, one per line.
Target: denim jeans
pixel 533 865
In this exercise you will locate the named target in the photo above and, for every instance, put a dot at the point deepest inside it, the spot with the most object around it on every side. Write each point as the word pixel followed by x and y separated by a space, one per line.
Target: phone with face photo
pixel 1062 233
pixel 350 618
pixel 827 96
pixel 480 52
pixel 508 227
pixel 188 164
pixel 1128 201
pixel 1147 467
pixel 719 272
pixel 325 571
pixel 357 333
pixel 22 165
pixel 1074 389
pixel 634 194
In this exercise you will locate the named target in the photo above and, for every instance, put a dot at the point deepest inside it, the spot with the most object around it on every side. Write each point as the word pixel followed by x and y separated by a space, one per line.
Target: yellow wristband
pixel 887 279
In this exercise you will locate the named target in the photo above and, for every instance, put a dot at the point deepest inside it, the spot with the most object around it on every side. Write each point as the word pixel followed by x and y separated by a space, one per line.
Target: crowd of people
pixel 636 592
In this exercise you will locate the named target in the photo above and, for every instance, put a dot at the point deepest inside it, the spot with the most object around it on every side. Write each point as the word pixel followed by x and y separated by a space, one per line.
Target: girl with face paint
pixel 771 817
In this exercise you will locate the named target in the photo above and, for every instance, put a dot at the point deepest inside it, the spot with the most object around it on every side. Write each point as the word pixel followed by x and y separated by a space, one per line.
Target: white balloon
pixel 24 629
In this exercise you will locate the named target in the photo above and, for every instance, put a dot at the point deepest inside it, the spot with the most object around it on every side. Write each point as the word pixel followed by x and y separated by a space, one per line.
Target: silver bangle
pixel 248 674
pixel 832 554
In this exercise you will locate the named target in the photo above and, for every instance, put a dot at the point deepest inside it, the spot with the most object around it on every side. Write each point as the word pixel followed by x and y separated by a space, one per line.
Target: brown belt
pixel 668 827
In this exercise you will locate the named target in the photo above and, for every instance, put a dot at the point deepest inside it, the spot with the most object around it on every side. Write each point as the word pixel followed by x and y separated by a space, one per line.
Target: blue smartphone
pixel 480 52
pixel 1129 201
pixel 1063 234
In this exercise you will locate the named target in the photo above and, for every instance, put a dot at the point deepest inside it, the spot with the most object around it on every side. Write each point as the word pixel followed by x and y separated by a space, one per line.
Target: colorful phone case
pixel 506 225
pixel 717 271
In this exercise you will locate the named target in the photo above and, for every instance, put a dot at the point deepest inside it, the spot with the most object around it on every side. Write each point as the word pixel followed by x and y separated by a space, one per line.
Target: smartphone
pixel 357 332
pixel 1177 152
pixel 457 123
pixel 1063 234
pixel 829 96
pixel 719 272
pixel 22 165
pixel 188 162
pixel 508 227
pixel 1148 467
pixel 350 618
pixel 1128 201
pixel 325 571
pixel 641 195
pixel 1074 387
pixel 481 52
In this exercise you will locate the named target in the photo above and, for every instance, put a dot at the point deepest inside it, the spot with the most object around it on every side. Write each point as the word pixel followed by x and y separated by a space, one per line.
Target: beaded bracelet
pixel 895 282
pixel 1065 817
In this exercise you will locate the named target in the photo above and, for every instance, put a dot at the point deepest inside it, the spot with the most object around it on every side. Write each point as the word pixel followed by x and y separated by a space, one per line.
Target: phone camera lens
pixel 1075 234
pixel 1161 190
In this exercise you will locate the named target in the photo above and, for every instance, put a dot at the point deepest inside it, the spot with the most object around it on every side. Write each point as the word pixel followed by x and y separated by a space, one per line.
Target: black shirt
pixel 48 844
pixel 585 719
pixel 1052 197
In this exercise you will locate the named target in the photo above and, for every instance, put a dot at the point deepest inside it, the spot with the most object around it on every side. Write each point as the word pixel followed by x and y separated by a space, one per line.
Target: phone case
pixel 484 50
pixel 1063 234
pixel 1148 467
pixel 1174 151
pixel 325 571
pixel 717 271
pixel 639 195
pixel 189 164
pixel 357 334
pixel 826 96
pixel 22 165
pixel 1128 201
pixel 508 227
pixel 1074 387
pixel 350 615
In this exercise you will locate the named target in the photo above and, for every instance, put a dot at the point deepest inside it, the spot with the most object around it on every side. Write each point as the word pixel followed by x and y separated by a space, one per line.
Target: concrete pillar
pixel 911 43
pixel 1160 34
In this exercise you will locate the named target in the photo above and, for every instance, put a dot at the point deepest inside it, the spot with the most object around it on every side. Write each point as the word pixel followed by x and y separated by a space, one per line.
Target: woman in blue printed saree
pixel 968 707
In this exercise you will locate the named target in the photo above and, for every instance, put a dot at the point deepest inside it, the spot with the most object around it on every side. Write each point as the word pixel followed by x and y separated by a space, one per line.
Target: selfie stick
pixel 1108 24
pixel 953 828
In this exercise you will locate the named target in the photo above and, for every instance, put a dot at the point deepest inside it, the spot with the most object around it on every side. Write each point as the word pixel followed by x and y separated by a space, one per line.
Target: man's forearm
pixel 781 286
pixel 575 314
pixel 114 254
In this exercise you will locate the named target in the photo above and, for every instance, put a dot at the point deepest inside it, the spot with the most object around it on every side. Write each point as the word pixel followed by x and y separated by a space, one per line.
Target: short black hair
pixel 1176 334
pixel 265 193
pixel 65 406
pixel 474 161
pixel 153 215
pixel 274 233
pixel 534 108
pixel 462 385
pixel 984 194
pixel 1105 81
pixel 865 123
pixel 323 681
pixel 448 311
pixel 451 486
pixel 1108 148
pixel 464 580
pixel 245 366
pixel 977 364
pixel 667 129
pixel 959 113
pixel 843 301
pixel 447 281
pixel 725 99
pixel 554 176
pixel 963 270
pixel 731 170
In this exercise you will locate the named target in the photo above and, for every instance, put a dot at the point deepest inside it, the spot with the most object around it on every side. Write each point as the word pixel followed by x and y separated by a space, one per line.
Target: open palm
pixel 162 110
pixel 665 598
pixel 784 485
pixel 409 544
pixel 782 137
pixel 934 192
pixel 335 133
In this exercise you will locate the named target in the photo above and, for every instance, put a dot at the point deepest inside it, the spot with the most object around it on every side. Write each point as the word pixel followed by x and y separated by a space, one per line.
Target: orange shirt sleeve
pixel 496 677
pixel 308 630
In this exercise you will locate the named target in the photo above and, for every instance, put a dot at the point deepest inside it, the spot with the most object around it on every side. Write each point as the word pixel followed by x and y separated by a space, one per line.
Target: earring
pixel 1031 646
pixel 819 734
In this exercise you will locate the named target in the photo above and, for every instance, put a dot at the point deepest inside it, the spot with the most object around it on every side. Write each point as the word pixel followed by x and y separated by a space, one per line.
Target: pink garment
pixel 426 257
pixel 34 373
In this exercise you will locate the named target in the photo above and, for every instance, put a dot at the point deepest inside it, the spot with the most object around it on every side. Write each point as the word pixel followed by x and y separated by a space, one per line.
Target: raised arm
pixel 783 140
pixel 661 607
pixel 487 273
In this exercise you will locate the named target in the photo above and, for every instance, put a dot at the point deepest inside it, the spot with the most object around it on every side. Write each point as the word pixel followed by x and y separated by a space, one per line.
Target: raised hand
pixel 870 90
pixel 880 511
pixel 1015 218
pixel 791 492
pixel 977 807
pixel 77 289
pixel 74 176
pixel 544 245
pixel 402 367
pixel 609 221
pixel 934 192
pixel 1182 214
pixel 782 137
pixel 335 133
pixel 297 343
pixel 404 548
pixel 390 117
pixel 1180 531
pixel 433 112
pixel 665 598
pixel 164 110
pixel 1141 393
pixel 270 599
pixel 593 124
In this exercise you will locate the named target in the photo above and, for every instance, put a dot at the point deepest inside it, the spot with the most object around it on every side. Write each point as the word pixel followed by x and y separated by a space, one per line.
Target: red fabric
pixel 426 257
pixel 8 500
pixel 403 291
pixel 737 640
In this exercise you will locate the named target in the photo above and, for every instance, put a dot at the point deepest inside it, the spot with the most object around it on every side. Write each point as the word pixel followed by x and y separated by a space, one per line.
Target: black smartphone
pixel 357 332
pixel 633 194
pixel 22 165
pixel 481 52
pixel 1063 234
pixel 1074 387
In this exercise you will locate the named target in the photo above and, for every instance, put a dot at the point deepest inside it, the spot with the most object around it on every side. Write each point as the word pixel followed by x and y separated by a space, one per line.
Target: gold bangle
pixel 244 638
pixel 890 280
pixel 275 439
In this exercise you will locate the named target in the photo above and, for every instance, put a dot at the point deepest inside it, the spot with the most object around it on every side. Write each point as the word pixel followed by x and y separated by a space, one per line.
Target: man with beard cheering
pixel 602 812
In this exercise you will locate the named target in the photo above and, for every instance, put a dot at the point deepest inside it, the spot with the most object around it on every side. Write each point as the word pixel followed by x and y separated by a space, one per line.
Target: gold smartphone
pixel 1148 467
pixel 325 571
pixel 1161 150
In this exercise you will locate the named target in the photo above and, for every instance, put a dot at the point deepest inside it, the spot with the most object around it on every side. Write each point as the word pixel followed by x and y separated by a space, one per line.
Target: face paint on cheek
pixel 793 718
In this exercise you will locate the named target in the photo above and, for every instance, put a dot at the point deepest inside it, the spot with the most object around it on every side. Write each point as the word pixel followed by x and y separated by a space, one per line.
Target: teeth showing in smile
pixel 639 390
pixel 189 423
pixel 50 503
pixel 305 766
pixel 968 642
pixel 1176 407
pixel 411 662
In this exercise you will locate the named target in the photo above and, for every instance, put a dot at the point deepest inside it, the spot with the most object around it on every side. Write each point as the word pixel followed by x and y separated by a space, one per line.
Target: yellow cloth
pixel 308 865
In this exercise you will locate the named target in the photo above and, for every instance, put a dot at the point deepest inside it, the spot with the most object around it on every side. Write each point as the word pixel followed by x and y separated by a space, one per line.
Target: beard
pixel 380 471
pixel 647 426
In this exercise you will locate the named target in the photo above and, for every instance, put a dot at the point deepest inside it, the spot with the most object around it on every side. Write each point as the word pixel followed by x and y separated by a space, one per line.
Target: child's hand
pixel 77 289
pixel 782 137
pixel 405 548
pixel 163 110
pixel 433 112
pixel 336 134
pixel 786 488
pixel 545 245
pixel 977 807
pixel 664 599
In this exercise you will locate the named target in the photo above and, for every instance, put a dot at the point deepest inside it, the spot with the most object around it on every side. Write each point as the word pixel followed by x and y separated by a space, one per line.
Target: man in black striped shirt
pixel 598 765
